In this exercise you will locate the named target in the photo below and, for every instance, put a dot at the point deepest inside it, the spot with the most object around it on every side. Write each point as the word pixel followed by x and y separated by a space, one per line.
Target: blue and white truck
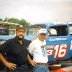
pixel 58 42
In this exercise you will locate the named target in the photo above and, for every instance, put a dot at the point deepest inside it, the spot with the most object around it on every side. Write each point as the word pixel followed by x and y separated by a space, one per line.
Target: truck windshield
pixel 70 29
pixel 60 30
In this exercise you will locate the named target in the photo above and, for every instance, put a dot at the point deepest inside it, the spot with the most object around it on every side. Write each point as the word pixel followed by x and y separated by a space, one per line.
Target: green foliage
pixel 6 19
pixel 18 21
pixel 13 20
pixel 1 19
pixel 24 23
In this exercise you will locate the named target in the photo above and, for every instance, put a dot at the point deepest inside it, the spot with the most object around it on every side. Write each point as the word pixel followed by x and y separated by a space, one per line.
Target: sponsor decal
pixel 59 51
pixel 57 39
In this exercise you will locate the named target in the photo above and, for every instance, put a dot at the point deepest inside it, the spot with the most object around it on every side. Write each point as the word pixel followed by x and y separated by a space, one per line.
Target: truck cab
pixel 58 42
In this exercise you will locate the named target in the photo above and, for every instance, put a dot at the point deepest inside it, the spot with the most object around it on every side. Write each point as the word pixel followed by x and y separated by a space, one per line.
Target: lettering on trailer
pixel 59 51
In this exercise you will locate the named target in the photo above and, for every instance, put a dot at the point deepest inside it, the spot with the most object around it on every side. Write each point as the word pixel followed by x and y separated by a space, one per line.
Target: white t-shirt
pixel 36 48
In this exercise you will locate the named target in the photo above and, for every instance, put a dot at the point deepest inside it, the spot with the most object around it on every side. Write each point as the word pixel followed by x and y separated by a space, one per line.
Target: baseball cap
pixel 42 31
pixel 19 27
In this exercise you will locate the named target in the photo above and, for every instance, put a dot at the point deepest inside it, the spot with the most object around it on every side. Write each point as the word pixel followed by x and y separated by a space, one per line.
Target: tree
pixel 24 23
pixel 13 20
pixel 1 19
pixel 18 21
pixel 6 19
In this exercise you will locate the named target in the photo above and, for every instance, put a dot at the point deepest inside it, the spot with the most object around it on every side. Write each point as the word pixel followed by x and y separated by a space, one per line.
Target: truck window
pixel 70 30
pixel 33 29
pixel 52 32
pixel 58 30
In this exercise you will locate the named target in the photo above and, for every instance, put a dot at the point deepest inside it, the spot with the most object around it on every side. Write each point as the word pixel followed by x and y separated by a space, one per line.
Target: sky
pixel 37 11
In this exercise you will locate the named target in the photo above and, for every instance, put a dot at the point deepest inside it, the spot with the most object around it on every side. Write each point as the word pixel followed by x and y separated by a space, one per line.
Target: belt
pixel 42 64
pixel 21 65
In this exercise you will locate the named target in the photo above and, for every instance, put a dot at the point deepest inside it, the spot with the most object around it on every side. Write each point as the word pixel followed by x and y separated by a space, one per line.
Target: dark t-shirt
pixel 15 52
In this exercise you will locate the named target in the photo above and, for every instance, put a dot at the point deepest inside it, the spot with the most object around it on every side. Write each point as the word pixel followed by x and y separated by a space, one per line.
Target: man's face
pixel 42 37
pixel 20 33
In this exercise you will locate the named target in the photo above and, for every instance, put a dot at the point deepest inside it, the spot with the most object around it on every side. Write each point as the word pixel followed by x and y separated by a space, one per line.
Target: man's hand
pixel 33 63
pixel 11 66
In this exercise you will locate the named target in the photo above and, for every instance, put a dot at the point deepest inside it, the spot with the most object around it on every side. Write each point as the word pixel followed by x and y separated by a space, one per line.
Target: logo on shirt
pixel 44 52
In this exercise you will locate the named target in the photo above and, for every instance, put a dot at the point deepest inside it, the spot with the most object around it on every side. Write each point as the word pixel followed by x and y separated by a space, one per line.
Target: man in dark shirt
pixel 16 52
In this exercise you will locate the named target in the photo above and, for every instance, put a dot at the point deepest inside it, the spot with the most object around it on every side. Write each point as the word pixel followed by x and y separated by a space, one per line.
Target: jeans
pixel 18 69
pixel 40 69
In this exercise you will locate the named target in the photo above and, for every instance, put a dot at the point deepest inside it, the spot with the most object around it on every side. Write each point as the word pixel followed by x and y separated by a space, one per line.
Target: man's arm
pixel 9 65
pixel 2 59
pixel 31 61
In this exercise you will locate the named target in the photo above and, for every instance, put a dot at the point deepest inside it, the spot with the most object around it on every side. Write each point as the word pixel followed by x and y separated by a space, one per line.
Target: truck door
pixel 57 43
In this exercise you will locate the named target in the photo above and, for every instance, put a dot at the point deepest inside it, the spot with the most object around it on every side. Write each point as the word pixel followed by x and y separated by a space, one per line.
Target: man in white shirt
pixel 39 53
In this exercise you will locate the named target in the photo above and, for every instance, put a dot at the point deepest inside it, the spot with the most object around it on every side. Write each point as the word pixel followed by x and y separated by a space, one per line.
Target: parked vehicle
pixel 59 42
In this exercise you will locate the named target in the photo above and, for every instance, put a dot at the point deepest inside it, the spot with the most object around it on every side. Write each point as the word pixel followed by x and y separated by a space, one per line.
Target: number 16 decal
pixel 60 51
